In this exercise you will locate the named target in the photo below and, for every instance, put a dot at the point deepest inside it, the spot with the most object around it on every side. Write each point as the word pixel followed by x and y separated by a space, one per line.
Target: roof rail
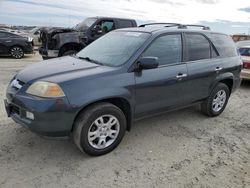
pixel 180 26
pixel 170 24
pixel 202 26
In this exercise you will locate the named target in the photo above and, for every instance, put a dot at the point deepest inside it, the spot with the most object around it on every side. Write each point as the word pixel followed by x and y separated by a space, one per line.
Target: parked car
pixel 245 55
pixel 35 34
pixel 243 43
pixel 57 42
pixel 15 45
pixel 98 93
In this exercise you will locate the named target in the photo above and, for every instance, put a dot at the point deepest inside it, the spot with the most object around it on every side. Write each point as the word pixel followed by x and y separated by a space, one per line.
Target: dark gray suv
pixel 123 76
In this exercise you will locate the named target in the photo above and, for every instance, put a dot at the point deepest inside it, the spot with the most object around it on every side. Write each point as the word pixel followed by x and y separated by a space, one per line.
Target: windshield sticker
pixel 134 34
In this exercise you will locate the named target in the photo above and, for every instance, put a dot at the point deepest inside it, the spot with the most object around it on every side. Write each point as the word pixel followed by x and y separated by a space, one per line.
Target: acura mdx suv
pixel 127 74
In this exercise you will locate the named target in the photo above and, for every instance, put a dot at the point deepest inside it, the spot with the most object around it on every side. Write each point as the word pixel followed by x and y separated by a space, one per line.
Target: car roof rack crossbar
pixel 202 26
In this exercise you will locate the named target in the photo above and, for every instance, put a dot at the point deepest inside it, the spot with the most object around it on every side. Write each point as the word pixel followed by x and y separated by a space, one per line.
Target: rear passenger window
pixel 167 48
pixel 198 47
pixel 224 44
pixel 124 23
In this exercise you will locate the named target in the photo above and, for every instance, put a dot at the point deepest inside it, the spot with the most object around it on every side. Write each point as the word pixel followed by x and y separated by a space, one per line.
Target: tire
pixel 215 104
pixel 45 58
pixel 16 52
pixel 95 139
pixel 69 52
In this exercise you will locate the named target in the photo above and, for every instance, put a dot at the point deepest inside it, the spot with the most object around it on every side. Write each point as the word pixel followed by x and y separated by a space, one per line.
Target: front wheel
pixel 215 104
pixel 16 52
pixel 99 129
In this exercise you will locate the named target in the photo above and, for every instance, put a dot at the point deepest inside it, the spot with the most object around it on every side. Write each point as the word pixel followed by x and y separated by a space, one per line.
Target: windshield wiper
pixel 90 60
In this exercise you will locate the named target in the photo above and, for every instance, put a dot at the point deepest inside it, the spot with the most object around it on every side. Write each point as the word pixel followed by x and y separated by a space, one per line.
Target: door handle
pixel 181 76
pixel 8 41
pixel 218 68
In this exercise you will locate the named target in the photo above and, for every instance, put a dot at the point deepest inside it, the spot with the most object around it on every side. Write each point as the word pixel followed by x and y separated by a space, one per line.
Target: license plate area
pixel 11 109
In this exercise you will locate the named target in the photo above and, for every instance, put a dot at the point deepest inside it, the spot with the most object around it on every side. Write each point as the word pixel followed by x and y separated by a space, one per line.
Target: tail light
pixel 246 65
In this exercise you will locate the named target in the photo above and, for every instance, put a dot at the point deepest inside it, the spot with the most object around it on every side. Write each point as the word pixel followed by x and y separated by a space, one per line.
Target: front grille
pixel 15 110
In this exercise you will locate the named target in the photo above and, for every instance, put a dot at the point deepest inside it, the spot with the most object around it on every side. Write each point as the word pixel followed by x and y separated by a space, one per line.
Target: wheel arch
pixel 227 79
pixel 14 45
pixel 70 46
pixel 120 102
pixel 229 82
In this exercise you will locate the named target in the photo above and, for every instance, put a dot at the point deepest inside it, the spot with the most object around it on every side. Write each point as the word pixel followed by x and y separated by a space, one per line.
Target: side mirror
pixel 148 62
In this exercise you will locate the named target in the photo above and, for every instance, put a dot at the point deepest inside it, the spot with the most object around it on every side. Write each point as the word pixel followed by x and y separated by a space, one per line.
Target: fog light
pixel 30 115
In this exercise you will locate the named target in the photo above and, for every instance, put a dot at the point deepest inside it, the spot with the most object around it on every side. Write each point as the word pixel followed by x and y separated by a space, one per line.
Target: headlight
pixel 45 89
pixel 30 39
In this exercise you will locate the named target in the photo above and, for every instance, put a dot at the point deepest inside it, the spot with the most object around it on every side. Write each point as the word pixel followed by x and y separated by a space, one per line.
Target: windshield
pixel 85 24
pixel 115 48
pixel 33 30
pixel 244 51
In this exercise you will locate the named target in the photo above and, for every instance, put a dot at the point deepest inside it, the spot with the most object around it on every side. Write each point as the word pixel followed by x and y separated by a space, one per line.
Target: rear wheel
pixel 99 129
pixel 217 101
pixel 17 52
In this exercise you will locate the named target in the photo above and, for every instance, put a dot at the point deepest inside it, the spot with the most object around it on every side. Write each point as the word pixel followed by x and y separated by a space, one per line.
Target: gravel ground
pixel 177 149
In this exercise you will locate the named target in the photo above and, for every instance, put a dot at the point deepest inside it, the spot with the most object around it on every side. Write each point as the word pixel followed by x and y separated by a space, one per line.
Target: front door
pixel 102 27
pixel 163 87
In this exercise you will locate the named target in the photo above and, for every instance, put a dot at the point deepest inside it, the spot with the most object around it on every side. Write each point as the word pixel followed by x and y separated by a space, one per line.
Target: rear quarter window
pixel 224 44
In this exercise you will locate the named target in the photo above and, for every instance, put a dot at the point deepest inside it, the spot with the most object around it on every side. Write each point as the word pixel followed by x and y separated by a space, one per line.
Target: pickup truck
pixel 58 41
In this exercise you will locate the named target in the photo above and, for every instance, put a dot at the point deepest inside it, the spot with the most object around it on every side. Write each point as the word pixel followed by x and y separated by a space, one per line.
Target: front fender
pixel 85 91
pixel 95 96
pixel 66 38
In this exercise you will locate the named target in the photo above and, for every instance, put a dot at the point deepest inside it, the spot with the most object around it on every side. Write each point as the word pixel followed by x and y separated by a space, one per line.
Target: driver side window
pixel 105 26
pixel 167 48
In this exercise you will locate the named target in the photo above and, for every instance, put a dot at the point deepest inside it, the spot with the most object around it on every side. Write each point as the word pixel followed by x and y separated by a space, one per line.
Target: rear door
pixel 4 41
pixel 203 65
pixel 165 86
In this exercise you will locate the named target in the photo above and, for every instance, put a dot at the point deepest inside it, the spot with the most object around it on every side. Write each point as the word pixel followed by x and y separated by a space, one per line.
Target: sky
pixel 228 16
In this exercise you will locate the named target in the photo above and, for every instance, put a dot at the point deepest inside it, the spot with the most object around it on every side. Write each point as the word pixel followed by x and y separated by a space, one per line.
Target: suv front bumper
pixel 51 116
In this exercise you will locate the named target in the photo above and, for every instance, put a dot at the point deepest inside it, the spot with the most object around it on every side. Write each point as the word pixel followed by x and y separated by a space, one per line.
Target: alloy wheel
pixel 219 100
pixel 17 52
pixel 103 131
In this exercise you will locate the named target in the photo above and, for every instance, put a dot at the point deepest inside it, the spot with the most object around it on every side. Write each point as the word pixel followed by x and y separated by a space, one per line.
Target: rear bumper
pixel 52 117
pixel 245 74
pixel 48 53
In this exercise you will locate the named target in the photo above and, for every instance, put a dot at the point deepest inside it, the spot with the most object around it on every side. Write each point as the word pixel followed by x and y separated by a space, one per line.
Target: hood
pixel 46 34
pixel 51 30
pixel 58 69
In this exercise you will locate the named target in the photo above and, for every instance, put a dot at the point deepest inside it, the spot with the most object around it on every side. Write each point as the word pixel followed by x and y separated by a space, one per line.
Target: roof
pixel 106 17
pixel 156 29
